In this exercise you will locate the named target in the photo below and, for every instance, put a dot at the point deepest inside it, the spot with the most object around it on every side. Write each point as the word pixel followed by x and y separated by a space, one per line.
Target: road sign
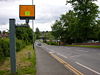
pixel 27 12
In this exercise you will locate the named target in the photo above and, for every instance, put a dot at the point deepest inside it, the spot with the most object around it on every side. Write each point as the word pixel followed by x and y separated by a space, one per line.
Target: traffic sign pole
pixel 12 46
pixel 32 2
pixel 33 28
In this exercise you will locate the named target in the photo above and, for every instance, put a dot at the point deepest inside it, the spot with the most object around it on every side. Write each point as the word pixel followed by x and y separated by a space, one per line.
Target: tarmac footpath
pixel 47 65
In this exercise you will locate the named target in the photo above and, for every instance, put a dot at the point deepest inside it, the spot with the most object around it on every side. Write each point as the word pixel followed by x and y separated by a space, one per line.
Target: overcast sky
pixel 47 11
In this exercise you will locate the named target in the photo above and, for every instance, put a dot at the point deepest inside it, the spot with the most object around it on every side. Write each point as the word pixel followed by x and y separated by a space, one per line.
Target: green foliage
pixel 79 24
pixel 65 28
pixel 23 37
pixel 37 33
pixel 1 54
pixel 86 12
pixel 57 29
pixel 29 68
pixel 48 35
pixel 1 51
pixel 5 49
pixel 25 34
pixel 52 43
pixel 4 45
pixel 20 44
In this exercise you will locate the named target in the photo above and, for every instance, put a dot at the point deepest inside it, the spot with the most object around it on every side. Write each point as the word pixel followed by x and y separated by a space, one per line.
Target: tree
pixel 37 33
pixel 87 12
pixel 65 28
pixel 57 29
pixel 96 30
pixel 69 21
pixel 4 32
pixel 25 34
pixel 78 25
pixel 0 32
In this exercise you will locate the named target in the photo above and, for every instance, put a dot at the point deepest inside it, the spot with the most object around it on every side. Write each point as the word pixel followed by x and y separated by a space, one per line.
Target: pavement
pixel 47 65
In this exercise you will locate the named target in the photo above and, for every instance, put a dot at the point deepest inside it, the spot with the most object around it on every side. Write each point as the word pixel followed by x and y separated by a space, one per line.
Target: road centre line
pixel 52 51
pixel 62 55
pixel 67 65
pixel 88 68
pixel 82 51
pixel 75 56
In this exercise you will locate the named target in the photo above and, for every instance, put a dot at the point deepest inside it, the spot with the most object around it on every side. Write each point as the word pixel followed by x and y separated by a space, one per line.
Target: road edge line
pixel 67 65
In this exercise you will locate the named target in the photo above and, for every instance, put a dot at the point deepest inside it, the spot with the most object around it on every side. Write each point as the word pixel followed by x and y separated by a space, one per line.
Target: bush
pixel 25 34
pixel 5 47
pixel 51 43
pixel 20 44
pixel 1 54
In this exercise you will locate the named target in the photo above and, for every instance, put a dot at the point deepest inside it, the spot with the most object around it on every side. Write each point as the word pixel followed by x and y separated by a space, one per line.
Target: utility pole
pixel 33 28
pixel 12 46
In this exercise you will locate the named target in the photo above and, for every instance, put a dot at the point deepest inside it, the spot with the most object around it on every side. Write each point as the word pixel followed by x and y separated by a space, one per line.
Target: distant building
pixel 3 35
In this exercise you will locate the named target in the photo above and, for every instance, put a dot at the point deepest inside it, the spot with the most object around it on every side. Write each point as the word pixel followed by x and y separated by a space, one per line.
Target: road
pixel 83 60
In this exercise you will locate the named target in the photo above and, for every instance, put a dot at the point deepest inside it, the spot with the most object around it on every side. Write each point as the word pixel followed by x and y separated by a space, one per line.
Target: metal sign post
pixel 12 46
pixel 33 28
pixel 27 12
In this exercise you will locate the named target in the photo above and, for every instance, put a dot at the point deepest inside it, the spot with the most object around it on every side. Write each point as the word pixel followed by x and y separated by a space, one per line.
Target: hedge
pixel 52 43
pixel 5 49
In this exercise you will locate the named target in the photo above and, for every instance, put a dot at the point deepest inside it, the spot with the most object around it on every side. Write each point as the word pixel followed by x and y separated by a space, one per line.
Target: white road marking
pixel 62 55
pixel 51 52
pixel 88 68
pixel 82 50
pixel 75 56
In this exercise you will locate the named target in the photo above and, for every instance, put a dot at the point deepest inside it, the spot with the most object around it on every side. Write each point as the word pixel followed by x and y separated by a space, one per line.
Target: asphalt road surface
pixel 81 61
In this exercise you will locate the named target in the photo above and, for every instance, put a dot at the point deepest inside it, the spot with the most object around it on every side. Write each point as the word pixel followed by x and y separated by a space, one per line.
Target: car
pixel 39 44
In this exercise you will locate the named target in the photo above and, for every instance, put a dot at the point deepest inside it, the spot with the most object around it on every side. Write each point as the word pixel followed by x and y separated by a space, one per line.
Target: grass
pixel 89 46
pixel 26 63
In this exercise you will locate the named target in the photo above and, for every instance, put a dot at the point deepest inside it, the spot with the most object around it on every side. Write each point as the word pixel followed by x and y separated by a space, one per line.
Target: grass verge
pixel 89 46
pixel 26 62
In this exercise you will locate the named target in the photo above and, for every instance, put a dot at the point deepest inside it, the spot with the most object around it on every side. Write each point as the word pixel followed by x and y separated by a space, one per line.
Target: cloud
pixel 8 10
pixel 44 26
pixel 47 11
pixel 49 14
pixel 8 0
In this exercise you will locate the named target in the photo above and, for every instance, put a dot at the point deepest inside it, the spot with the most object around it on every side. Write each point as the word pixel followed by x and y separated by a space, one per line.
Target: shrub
pixel 5 47
pixel 52 43
pixel 1 54
pixel 20 44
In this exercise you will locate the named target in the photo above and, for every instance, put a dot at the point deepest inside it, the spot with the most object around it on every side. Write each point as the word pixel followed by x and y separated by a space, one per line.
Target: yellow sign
pixel 27 11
